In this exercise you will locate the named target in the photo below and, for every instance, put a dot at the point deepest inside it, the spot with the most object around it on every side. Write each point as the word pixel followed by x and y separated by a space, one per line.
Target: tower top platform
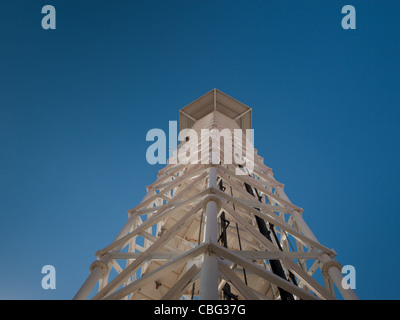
pixel 215 100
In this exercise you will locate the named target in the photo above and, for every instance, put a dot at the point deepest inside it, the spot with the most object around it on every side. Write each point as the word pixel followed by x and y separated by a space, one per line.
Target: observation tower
pixel 215 229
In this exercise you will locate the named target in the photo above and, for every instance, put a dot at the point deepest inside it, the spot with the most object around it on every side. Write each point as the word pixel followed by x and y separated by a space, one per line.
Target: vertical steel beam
pixel 209 268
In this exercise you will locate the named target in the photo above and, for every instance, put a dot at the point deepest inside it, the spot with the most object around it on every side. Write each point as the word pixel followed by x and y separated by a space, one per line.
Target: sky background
pixel 76 104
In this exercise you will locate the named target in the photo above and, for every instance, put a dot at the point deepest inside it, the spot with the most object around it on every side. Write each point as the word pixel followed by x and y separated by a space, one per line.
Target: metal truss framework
pixel 204 232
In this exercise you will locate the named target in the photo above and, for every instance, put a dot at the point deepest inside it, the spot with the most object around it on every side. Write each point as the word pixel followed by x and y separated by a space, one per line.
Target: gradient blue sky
pixel 76 104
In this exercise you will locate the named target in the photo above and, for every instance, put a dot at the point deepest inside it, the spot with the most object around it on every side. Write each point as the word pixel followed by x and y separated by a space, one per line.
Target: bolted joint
pixel 298 211
pixel 212 197
pixel 102 265
pixel 333 254
pixel 209 248
pixel 329 264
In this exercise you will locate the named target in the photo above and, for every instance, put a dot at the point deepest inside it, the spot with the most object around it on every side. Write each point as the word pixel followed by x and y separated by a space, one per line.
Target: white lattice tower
pixel 204 232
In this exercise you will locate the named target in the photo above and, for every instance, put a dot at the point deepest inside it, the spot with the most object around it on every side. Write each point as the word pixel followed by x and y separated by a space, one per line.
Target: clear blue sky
pixel 76 104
